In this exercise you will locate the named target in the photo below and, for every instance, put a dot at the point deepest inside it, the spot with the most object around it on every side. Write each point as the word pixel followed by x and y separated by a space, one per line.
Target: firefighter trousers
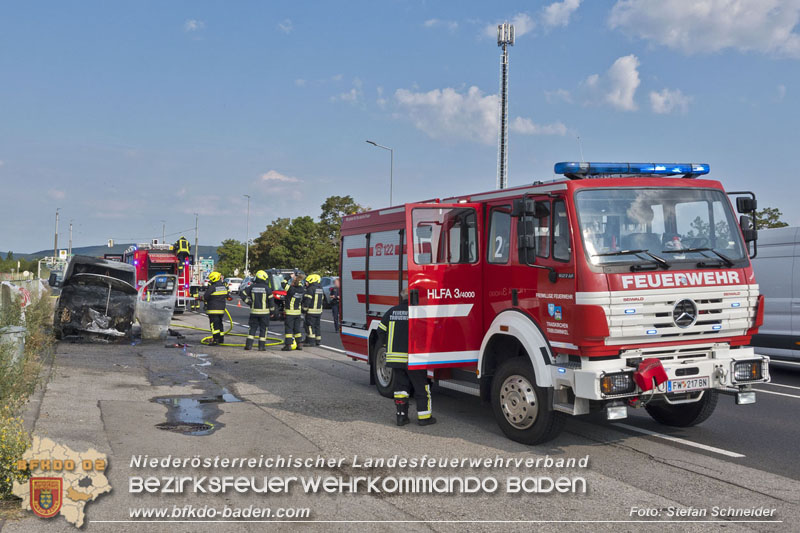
pixel 313 331
pixel 216 326
pixel 293 329
pixel 258 326
pixel 413 383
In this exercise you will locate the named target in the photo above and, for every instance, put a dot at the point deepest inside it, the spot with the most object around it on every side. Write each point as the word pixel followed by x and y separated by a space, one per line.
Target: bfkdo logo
pixel 47 495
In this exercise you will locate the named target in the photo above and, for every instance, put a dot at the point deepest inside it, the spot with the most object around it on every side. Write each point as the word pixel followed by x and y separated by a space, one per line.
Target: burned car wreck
pixel 97 300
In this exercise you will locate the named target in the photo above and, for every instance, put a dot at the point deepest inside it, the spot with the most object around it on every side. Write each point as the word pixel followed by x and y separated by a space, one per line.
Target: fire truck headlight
pixel 619 383
pixel 749 370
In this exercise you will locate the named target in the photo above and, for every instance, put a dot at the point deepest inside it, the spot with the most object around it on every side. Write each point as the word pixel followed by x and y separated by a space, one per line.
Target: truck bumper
pixel 720 369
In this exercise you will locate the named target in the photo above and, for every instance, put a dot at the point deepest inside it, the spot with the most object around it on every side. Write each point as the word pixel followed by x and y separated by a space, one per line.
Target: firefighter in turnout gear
pixel 195 298
pixel 312 305
pixel 216 297
pixel 258 296
pixel 393 331
pixel 293 309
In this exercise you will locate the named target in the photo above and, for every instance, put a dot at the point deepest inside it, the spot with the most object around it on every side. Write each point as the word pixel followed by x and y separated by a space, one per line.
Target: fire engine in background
pixel 154 258
pixel 620 285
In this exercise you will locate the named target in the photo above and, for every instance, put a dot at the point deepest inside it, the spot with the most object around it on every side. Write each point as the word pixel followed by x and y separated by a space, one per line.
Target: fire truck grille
pixel 664 314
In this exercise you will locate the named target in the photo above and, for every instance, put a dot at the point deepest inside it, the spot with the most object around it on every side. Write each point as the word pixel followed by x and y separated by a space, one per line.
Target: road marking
pixel 778 393
pixel 680 441
pixel 774 362
pixel 781 385
pixel 332 349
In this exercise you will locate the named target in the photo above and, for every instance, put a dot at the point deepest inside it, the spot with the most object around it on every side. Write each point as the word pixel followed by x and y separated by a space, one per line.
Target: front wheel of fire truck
pixel 684 414
pixel 382 374
pixel 519 405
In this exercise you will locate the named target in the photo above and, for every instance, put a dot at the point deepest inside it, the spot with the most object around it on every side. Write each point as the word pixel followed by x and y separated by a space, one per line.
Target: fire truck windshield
pixel 686 227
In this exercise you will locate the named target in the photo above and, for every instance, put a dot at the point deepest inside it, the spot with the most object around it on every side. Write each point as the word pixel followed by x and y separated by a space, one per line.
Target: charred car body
pixel 97 300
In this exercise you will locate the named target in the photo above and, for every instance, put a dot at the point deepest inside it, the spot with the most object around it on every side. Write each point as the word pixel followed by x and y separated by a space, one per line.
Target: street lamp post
pixel 163 231
pixel 247 240
pixel 55 239
pixel 391 166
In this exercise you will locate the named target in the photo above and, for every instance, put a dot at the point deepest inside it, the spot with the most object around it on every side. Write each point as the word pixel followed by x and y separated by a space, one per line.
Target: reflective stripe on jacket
pixel 313 298
pixel 216 297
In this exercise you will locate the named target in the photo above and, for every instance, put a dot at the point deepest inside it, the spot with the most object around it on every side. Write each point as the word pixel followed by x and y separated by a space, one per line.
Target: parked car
pixel 777 268
pixel 233 284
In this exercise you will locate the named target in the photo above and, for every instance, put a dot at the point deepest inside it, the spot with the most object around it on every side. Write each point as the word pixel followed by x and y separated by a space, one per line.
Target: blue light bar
pixel 656 169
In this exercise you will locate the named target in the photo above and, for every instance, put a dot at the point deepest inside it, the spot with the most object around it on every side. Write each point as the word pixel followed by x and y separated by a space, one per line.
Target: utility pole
pixel 196 251
pixel 163 231
pixel 505 38
pixel 247 239
pixel 69 252
pixel 55 239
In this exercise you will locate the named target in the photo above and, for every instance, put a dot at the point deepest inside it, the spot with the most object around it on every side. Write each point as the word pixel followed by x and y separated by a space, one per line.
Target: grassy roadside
pixel 17 382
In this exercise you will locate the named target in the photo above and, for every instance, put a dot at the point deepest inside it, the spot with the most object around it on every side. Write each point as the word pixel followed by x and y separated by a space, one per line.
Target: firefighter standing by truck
pixel 393 331
pixel 312 305
pixel 293 309
pixel 258 295
pixel 216 297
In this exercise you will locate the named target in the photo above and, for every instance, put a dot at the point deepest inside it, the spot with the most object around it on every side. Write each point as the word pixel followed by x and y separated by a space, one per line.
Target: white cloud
pixel 697 26
pixel 381 101
pixel 300 82
pixel 669 100
pixel 523 23
pixel 559 13
pixel 337 77
pixel 471 115
pixel 274 176
pixel 617 86
pixel 2 162
pixel 781 96
pixel 286 26
pixel 193 25
pixel 526 126
pixel 353 95
pixel 451 25
pixel 56 194
pixel 558 95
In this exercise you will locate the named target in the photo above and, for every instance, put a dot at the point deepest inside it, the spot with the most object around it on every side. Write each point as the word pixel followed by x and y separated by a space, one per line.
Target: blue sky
pixel 127 114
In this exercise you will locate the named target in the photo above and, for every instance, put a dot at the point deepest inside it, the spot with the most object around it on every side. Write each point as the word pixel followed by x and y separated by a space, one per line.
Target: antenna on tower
pixel 505 38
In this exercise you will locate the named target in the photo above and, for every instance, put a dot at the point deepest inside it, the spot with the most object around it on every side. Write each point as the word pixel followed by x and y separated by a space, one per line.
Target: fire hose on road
pixel 271 341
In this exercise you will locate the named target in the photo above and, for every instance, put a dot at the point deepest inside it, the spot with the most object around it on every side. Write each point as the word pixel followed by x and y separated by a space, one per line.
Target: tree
pixel 333 209
pixel 269 248
pixel 231 257
pixel 769 217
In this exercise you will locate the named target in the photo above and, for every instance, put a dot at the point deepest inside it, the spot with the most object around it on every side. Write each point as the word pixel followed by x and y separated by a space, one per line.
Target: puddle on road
pixel 194 415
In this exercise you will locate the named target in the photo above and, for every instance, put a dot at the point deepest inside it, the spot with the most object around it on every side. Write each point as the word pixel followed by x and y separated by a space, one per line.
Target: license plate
pixel 681 385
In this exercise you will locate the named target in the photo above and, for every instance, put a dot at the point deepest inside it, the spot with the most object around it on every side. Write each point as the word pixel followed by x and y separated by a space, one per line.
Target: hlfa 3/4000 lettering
pixel 604 289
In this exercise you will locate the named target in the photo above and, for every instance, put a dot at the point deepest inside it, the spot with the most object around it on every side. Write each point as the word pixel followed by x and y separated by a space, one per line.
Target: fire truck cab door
pixel 445 265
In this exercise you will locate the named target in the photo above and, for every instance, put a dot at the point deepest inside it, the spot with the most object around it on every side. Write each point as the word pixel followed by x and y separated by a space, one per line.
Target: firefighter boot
pixel 248 344
pixel 402 412
pixel 262 345
pixel 309 341
pixel 426 421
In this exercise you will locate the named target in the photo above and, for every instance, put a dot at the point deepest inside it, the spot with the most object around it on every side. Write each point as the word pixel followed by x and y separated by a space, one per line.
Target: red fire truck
pixel 155 258
pixel 619 285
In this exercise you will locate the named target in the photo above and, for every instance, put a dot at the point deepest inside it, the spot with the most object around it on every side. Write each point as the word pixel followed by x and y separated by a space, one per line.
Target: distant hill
pixel 101 250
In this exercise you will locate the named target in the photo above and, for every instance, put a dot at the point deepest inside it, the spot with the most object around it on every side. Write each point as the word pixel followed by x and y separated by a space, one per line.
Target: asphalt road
pixel 764 435
pixel 116 398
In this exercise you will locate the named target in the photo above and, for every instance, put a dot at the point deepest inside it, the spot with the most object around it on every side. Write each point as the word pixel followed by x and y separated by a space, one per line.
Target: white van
pixel 777 268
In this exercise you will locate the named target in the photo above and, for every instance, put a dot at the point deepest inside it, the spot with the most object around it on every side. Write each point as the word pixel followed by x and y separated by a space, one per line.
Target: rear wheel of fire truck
pixel 519 404
pixel 381 374
pixel 685 414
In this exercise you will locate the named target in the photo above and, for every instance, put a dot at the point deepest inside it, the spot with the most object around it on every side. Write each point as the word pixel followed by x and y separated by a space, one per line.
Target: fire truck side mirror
pixel 749 233
pixel 746 205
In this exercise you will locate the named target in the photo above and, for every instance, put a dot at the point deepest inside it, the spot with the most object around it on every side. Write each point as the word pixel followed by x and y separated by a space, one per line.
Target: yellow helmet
pixel 313 278
pixel 214 277
pixel 261 275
